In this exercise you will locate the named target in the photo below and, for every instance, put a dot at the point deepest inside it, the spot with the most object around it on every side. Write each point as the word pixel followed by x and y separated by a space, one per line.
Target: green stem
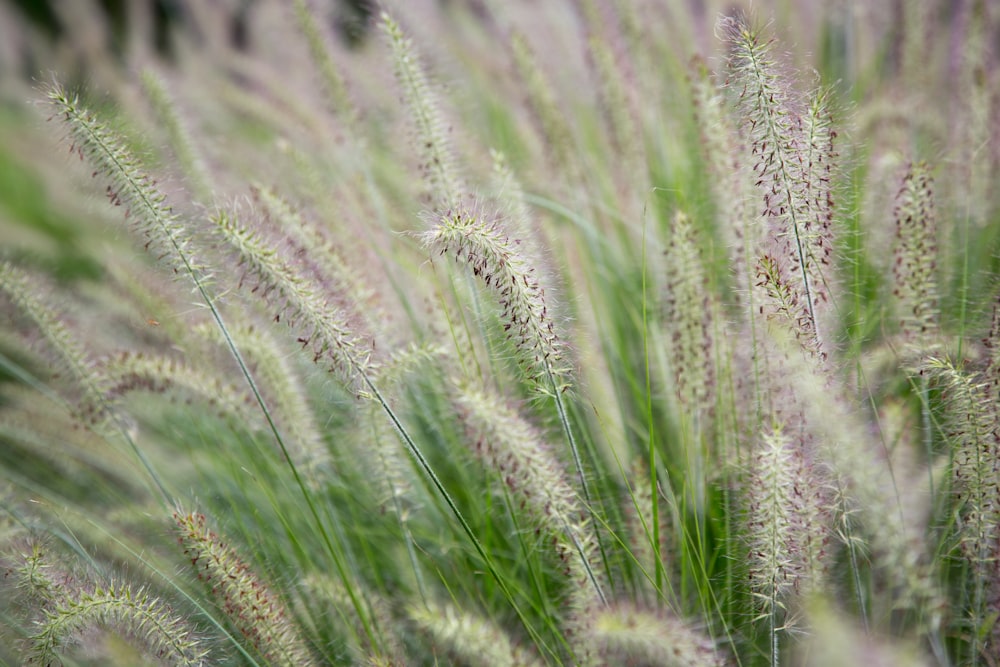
pixel 564 420
pixel 439 487
pixel 651 429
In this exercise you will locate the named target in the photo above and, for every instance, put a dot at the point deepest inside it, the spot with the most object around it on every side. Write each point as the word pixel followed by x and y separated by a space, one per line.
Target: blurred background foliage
pixel 901 70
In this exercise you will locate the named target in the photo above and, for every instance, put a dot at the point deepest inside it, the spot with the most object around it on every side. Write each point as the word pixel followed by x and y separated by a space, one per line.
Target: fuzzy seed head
pixel 250 605
pixel 72 608
pixel 785 523
pixel 792 146
pixel 425 111
pixel 729 180
pixel 513 448
pixel 161 230
pixel 915 255
pixel 542 102
pixel 479 240
pixel 128 371
pixel 688 319
pixel 284 391
pixel 91 386
pixel 783 305
pixel 195 170
pixel 973 428
pixel 632 636
pixel 474 640
pixel 298 300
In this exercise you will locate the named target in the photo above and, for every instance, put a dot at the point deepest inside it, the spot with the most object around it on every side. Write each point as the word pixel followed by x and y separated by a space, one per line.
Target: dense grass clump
pixel 596 333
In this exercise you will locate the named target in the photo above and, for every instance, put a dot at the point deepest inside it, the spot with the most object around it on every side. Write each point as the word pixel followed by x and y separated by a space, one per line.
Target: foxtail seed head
pixel 133 613
pixel 474 640
pixel 425 111
pixel 90 384
pixel 251 605
pixel 129 187
pixel 689 309
pixel 785 523
pixel 297 300
pixel 791 144
pixel 477 238
pixel 631 636
pixel 915 255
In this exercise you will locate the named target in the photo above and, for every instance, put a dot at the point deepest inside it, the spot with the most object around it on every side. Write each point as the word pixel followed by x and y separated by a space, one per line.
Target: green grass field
pixel 608 332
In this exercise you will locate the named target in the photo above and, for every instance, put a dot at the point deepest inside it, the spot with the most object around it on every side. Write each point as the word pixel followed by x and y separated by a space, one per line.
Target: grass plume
pixel 573 336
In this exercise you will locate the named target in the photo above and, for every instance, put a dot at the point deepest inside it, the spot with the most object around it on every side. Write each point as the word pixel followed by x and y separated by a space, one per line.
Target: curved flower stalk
pixel 250 605
pixel 304 305
pixel 618 93
pixel 160 305
pixel 135 371
pixel 314 251
pixel 488 250
pixel 862 477
pixel 650 544
pixel 639 42
pixel 477 238
pixel 283 387
pixel 473 640
pixel 784 303
pixel 557 134
pixel 691 325
pixel 71 605
pixel 508 190
pixel 817 162
pixel 333 83
pixel 972 122
pixel 325 601
pixel 130 188
pixel 132 613
pixel 729 179
pixel 514 449
pixel 992 344
pixel 384 462
pixel 35 575
pixel 835 642
pixel 817 167
pixel 389 469
pixel 616 84
pixel 323 329
pixel 915 481
pixel 170 238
